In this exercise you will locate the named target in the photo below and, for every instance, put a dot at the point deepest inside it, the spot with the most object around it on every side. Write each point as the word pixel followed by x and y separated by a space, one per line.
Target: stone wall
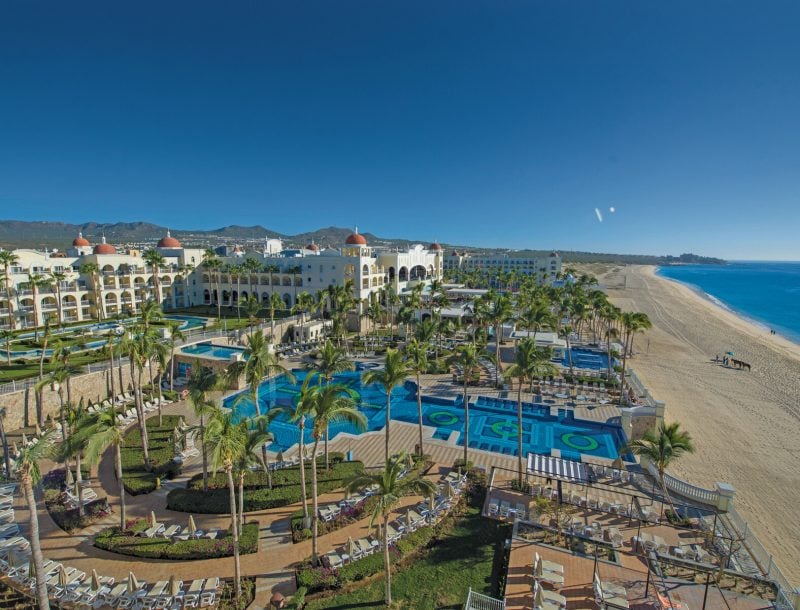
pixel 22 407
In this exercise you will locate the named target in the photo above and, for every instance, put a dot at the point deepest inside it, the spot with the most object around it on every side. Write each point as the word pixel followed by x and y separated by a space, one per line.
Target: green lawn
pixel 30 368
pixel 470 556
pixel 161 446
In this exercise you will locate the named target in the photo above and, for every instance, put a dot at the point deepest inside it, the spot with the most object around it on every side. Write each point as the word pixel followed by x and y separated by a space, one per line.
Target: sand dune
pixel 746 424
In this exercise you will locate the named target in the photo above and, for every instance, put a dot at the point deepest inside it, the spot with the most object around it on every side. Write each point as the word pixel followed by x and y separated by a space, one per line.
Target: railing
pixel 687 490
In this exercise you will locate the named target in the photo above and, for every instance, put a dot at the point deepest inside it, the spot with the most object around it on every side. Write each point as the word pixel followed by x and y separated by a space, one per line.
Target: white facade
pixel 545 269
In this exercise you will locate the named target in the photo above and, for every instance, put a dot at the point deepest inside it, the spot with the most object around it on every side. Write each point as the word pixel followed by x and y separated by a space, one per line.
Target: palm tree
pixel 304 303
pixel 275 302
pixel 252 306
pixel 395 371
pixel 30 474
pixel 175 335
pixel 254 440
pixel 391 487
pixel 333 403
pixel 227 442
pixel 468 358
pixel 303 406
pixel 259 362
pixel 74 447
pixel 93 271
pixel 57 278
pixel 137 346
pixel 156 260
pixel 8 259
pixel 330 361
pixel 236 272
pixel 529 362
pixel 202 380
pixel 500 312
pixel 633 322
pixel 212 264
pixel 662 446
pixel 251 266
pixel 37 281
pixel 150 312
pixel 45 338
pixel 417 356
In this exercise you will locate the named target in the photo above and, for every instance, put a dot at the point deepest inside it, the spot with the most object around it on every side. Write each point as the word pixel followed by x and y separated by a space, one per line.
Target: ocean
pixel 767 293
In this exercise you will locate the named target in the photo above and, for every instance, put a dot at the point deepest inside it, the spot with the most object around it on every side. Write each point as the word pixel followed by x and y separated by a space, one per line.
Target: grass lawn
pixel 161 445
pixel 30 368
pixel 471 556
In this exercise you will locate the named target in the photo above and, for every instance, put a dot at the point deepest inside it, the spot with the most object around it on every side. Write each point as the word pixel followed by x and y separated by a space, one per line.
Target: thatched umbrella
pixel 133 584
pixel 95 583
pixel 152 521
pixel 192 526
pixel 618 463
pixel 63 579
pixel 539 602
pixel 174 586
pixel 409 521
pixel 448 490
pixel 351 547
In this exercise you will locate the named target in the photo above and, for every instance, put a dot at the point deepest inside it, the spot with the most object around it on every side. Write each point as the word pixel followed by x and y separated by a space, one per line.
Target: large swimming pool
pixel 586 359
pixel 492 422
pixel 209 350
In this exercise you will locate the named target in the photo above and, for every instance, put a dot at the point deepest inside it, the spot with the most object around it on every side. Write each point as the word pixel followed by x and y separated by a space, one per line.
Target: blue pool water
pixel 586 359
pixel 765 292
pixel 208 350
pixel 492 422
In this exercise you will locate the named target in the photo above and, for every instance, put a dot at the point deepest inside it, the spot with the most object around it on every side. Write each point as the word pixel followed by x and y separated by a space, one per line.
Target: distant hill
pixel 43 234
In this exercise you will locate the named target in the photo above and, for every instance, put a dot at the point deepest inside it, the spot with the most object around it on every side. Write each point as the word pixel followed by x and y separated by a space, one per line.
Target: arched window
pixel 403 276
pixel 287 298
pixel 391 274
pixel 365 270
pixel 206 297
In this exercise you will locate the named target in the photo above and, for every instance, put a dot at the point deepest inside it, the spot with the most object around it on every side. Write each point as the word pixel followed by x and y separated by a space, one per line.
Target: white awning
pixel 556 468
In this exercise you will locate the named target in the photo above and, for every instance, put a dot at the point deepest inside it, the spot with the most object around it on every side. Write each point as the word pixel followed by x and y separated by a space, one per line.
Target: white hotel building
pixel 545 268
pixel 124 280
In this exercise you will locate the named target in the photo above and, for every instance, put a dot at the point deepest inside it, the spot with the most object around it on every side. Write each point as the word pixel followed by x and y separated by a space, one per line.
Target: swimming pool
pixel 586 359
pixel 209 350
pixel 492 422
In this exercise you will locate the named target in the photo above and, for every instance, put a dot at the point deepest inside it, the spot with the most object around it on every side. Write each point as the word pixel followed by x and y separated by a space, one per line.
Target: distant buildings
pixel 545 269
pixel 96 281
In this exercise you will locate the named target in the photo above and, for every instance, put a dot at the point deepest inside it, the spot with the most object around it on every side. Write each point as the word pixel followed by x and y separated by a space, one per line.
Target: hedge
pixel 127 543
pixel 257 496
pixel 136 478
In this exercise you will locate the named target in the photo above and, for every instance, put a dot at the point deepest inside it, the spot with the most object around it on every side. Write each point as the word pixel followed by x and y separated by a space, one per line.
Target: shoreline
pixel 759 325
pixel 756 329
pixel 744 423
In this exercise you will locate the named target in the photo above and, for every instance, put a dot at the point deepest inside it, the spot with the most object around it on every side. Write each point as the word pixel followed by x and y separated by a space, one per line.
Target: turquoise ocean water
pixel 767 293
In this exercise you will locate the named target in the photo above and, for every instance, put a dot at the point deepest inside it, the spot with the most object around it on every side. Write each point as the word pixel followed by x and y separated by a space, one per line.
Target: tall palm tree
pixel 330 361
pixel 156 260
pixel 212 264
pixel 662 446
pixel 93 271
pixel 227 442
pixel 468 358
pixel 251 266
pixel 150 312
pixel 137 346
pixel 254 441
pixel 202 381
pixel 391 487
pixel 8 259
pixel 302 407
pixel 333 403
pixel 57 278
pixel 74 447
pixel 236 272
pixel 30 474
pixel 45 339
pixel 417 356
pixel 275 302
pixel 529 362
pixel 259 362
pixel 500 312
pixel 37 282
pixel 6 335
pixel 304 303
pixel 110 348
pixel 252 306
pixel 632 322
pixel 394 373
pixel 175 335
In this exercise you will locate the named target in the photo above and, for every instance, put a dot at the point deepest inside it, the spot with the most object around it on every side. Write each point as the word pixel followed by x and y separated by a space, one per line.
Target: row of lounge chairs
pixel 551 573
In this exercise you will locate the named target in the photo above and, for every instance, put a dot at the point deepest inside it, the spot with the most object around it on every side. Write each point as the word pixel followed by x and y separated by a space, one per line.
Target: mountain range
pixel 45 234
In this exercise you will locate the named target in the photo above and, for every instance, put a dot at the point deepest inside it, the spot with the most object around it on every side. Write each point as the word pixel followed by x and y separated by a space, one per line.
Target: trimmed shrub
pixel 257 496
pixel 136 478
pixel 128 543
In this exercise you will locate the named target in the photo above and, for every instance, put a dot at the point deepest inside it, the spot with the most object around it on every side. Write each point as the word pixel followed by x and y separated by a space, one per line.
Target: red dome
pixel 312 247
pixel 80 241
pixel 168 242
pixel 354 239
pixel 435 246
pixel 104 248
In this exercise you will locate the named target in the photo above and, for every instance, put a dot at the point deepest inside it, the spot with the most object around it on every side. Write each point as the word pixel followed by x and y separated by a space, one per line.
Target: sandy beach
pixel 746 425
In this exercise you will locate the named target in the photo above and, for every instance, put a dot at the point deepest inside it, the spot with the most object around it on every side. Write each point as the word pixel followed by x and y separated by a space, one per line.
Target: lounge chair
pixel 547 600
pixel 549 566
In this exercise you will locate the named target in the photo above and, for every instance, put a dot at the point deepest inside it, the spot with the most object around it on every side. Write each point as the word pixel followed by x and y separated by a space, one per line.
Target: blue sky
pixel 485 123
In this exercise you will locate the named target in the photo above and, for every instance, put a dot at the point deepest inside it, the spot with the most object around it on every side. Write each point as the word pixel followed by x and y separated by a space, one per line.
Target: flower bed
pixel 349 514
pixel 285 490
pixel 136 478
pixel 128 543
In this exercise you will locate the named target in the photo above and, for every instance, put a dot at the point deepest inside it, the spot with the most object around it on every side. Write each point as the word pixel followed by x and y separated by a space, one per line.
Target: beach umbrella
pixel 62 576
pixel 174 586
pixel 730 354
pixel 95 584
pixel 351 546
pixel 192 526
pixel 69 478
pixel 133 584
pixel 152 520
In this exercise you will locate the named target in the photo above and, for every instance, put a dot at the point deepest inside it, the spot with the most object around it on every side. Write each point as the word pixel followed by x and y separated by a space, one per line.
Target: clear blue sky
pixel 490 123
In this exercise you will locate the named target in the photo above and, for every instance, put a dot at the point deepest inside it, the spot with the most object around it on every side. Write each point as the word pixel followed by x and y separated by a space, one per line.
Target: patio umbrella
pixel 618 463
pixel 448 490
pixel 152 520
pixel 24 440
pixel 539 602
pixel 69 478
pixel 62 576
pixel 95 584
pixel 14 448
pixel 192 526
pixel 279 457
pixel 133 584
pixel 539 571
pixel 38 429
pixel 351 546
pixel 408 519
pixel 174 586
